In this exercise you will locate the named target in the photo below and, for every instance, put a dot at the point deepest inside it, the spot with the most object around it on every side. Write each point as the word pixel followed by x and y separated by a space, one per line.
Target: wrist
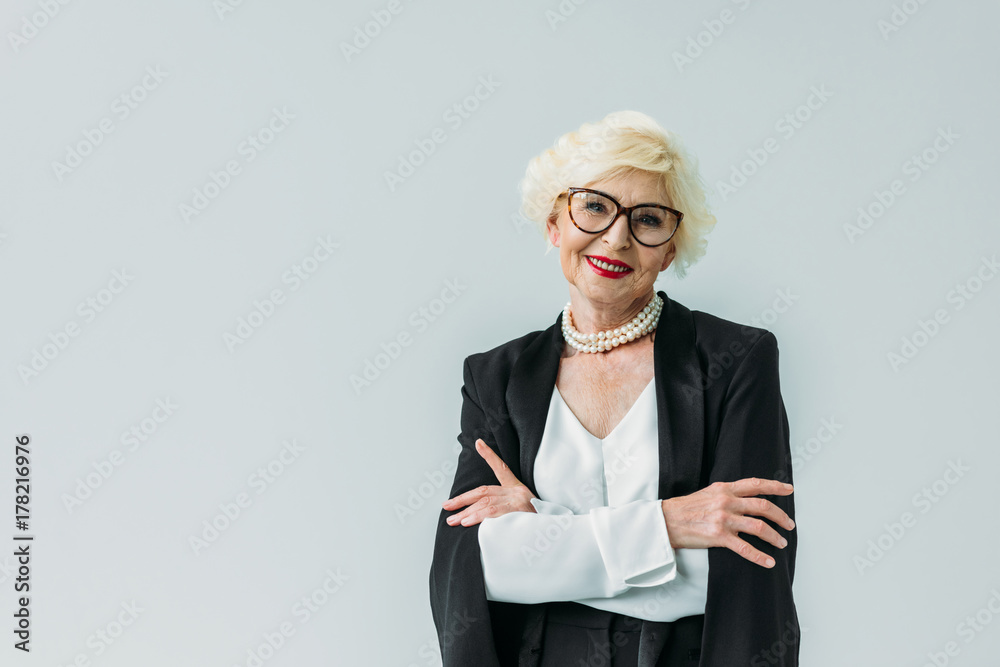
pixel 665 506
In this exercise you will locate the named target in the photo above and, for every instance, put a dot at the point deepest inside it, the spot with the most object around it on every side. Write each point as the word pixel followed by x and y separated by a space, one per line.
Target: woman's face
pixel 615 243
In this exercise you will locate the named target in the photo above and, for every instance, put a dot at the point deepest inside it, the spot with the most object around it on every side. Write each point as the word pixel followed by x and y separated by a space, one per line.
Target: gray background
pixel 364 454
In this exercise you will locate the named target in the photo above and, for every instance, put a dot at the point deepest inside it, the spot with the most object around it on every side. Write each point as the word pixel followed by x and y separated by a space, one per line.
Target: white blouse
pixel 599 537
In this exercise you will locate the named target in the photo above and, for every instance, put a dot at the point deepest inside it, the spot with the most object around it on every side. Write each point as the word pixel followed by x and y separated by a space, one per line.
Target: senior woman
pixel 623 493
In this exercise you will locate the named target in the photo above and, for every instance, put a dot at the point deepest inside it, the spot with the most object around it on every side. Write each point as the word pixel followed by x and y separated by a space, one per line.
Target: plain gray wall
pixel 894 77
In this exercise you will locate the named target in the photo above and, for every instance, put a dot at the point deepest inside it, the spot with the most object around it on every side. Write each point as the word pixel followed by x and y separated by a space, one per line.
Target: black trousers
pixel 580 636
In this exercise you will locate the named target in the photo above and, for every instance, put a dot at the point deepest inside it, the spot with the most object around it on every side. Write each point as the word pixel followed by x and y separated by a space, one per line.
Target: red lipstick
pixel 605 272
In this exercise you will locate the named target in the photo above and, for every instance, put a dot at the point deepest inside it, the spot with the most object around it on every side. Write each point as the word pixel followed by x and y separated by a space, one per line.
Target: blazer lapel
pixel 680 409
pixel 532 381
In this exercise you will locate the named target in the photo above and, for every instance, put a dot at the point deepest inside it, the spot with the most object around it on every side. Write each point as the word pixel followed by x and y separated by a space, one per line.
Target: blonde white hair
pixel 622 142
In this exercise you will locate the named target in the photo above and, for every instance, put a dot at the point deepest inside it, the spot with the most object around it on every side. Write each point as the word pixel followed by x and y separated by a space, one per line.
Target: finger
pixel 472 514
pixel 755 486
pixel 484 509
pixel 760 528
pixel 763 507
pixel 498 502
pixel 500 469
pixel 457 517
pixel 466 498
pixel 753 555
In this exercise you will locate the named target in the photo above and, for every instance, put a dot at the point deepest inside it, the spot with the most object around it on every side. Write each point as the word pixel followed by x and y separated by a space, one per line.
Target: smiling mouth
pixel 606 266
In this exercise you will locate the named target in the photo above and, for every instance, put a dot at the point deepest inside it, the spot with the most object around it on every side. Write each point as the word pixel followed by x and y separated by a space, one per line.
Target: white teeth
pixel 607 267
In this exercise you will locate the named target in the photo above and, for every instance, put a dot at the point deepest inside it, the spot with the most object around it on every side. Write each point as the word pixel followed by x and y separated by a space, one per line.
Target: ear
pixel 669 257
pixel 553 230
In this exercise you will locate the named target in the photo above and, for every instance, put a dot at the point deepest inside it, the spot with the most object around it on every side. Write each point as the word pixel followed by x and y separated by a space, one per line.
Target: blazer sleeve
pixel 457 589
pixel 750 616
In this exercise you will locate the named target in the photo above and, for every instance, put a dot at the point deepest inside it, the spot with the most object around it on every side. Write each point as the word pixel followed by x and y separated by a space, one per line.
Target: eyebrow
pixel 639 202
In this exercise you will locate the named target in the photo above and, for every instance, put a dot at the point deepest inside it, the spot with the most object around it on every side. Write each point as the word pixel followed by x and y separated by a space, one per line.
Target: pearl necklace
pixel 603 341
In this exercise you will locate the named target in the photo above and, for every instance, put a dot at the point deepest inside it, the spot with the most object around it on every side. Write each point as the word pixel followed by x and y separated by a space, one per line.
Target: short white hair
pixel 622 142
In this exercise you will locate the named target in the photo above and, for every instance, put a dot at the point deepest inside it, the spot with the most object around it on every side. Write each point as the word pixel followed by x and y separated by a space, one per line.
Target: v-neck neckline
pixel 618 426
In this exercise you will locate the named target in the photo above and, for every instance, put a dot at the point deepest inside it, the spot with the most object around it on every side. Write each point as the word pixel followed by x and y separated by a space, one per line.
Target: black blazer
pixel 720 418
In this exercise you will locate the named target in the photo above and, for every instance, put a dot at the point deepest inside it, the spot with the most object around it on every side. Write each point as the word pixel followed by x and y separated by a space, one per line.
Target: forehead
pixel 633 187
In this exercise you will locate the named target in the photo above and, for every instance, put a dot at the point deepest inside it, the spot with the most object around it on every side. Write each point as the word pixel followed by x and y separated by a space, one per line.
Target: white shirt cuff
pixel 548 507
pixel 634 543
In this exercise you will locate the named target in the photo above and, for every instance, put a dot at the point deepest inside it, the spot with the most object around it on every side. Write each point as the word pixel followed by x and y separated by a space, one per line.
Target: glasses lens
pixel 591 212
pixel 653 226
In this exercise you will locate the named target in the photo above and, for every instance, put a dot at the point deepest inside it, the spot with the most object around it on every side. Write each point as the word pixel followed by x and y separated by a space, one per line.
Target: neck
pixel 590 317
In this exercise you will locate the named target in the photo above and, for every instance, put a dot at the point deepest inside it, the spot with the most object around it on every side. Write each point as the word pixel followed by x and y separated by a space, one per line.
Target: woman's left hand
pixel 491 501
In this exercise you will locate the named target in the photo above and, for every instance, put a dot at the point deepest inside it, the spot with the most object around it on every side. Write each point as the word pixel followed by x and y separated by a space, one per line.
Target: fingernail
pixel 784 543
pixel 792 524
pixel 770 562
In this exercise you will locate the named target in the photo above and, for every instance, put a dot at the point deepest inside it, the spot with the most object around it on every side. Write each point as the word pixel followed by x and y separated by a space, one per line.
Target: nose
pixel 618 235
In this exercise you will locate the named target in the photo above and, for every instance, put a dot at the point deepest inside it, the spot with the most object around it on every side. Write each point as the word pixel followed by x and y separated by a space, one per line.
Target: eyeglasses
pixel 593 211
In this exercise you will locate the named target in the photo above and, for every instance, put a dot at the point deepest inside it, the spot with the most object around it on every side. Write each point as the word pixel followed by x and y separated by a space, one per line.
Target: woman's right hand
pixel 712 516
